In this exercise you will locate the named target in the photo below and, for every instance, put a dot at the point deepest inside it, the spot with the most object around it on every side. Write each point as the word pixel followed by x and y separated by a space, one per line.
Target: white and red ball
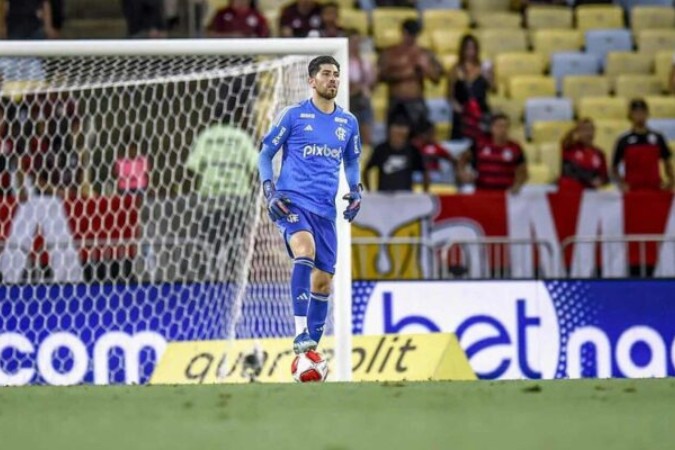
pixel 309 367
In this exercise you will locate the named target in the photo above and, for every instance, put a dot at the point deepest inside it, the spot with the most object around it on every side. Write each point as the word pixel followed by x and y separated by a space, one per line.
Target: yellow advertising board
pixel 414 357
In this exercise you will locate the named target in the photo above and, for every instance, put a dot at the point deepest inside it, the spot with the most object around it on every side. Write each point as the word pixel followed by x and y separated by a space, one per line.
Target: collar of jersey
pixel 321 112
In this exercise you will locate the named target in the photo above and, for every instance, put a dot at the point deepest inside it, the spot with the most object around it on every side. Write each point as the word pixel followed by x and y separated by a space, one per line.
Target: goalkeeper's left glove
pixel 354 199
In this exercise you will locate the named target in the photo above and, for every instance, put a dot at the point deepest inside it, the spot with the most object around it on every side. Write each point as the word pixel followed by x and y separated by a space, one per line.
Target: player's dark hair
pixel 499 116
pixel 315 64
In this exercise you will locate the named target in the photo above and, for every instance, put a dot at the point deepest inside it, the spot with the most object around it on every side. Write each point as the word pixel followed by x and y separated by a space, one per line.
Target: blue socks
pixel 300 281
pixel 316 315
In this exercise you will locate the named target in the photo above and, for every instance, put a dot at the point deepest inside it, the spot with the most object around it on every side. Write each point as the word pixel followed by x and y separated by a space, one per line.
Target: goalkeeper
pixel 316 136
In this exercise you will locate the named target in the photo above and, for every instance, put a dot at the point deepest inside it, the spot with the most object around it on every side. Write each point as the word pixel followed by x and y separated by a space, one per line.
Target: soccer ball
pixel 309 367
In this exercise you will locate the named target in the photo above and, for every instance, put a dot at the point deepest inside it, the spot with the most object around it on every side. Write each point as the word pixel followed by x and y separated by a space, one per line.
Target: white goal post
pixel 338 48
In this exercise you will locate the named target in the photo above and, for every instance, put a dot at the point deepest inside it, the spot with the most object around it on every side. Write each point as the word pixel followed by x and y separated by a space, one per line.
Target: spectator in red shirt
pixel 498 161
pixel 299 18
pixel 431 150
pixel 640 151
pixel 239 19
pixel 583 164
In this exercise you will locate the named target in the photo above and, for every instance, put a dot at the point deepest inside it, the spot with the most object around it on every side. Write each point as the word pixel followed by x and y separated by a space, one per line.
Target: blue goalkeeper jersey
pixel 314 144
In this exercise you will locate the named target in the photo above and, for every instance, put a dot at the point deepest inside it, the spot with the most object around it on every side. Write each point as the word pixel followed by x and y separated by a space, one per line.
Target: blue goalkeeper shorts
pixel 323 230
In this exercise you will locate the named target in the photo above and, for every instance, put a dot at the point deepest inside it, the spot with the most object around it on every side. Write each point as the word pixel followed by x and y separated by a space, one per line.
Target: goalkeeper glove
pixel 354 199
pixel 276 202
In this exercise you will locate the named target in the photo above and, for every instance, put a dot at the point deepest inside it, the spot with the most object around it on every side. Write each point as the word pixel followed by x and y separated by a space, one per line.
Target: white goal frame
pixel 336 47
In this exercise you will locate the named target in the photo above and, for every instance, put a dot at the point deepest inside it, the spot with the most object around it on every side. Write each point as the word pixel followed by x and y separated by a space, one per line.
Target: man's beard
pixel 327 94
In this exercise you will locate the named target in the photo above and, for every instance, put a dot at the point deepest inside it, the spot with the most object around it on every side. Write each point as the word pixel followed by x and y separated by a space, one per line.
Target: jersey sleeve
pixel 353 150
pixel 275 138
pixel 664 150
pixel 619 152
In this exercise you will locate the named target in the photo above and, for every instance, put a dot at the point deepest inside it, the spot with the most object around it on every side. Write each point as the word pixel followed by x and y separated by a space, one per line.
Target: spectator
pixel 468 86
pixel 58 15
pixel 583 164
pixel 640 151
pixel 145 18
pixel 330 15
pixel 362 79
pixel 396 160
pixel 498 162
pixel 299 18
pixel 239 19
pixel 28 19
pixel 132 169
pixel 404 67
pixel 431 150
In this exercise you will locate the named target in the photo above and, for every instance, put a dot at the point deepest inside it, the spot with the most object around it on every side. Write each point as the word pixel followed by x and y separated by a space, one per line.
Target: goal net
pixel 131 204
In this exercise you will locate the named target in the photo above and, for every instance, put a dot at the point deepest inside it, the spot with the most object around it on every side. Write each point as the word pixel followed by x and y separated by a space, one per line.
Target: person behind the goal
pixel 316 136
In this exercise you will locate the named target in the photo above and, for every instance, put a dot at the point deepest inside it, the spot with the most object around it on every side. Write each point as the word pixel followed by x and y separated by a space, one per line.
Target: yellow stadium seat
pixel 538 174
pixel 550 131
pixel 671 144
pixel 603 107
pixel 512 108
pixel 387 24
pixel 652 41
pixel 623 63
pixel 599 16
pixel 516 63
pixel 479 7
pixel 548 17
pixel 447 40
pixel 380 106
pixel 522 87
pixel 607 132
pixel 498 20
pixel 272 17
pixel 448 60
pixel 501 40
pixel 661 107
pixel 550 155
pixel 651 17
pixel 531 152
pixel 663 65
pixel 425 40
pixel 517 134
pixel 442 130
pixel 547 42
pixel 355 18
pixel 631 86
pixel 579 86
pixel 434 19
pixel 438 90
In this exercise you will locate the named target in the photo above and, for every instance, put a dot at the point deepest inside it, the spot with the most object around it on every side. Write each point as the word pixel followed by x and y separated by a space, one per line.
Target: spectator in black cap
pixel 640 151
pixel 404 67
pixel 396 160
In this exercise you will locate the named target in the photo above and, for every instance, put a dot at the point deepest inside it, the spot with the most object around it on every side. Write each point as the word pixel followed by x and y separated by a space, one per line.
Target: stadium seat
pixel 579 86
pixel 652 41
pixel 550 154
pixel 355 18
pixel 547 42
pixel 572 63
pixel 627 63
pixel 663 126
pixel 599 17
pixel 387 24
pixel 548 17
pixel 517 133
pixel 495 41
pixel 443 130
pixel 547 110
pixel 498 20
pixel 522 87
pixel 439 109
pixel 478 7
pixel 663 64
pixel 631 86
pixel 538 173
pixel 447 60
pixel 425 40
pixel 437 19
pixel 531 152
pixel 512 108
pixel 550 131
pixel 601 42
pixel 423 5
pixel 436 90
pixel 516 63
pixel 447 40
pixel 661 107
pixel 651 17
pixel 607 132
pixel 603 108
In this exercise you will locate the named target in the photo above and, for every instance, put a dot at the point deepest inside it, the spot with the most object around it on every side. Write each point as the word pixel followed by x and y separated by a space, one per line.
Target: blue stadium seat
pixel 664 126
pixel 601 42
pixel 438 4
pixel 547 109
pixel 573 63
pixel 628 4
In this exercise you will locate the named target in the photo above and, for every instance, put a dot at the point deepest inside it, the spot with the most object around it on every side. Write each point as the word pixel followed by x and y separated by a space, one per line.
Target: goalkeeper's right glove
pixel 276 202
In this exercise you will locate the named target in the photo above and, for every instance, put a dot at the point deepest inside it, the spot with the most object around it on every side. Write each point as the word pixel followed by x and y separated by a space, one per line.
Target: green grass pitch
pixel 549 415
